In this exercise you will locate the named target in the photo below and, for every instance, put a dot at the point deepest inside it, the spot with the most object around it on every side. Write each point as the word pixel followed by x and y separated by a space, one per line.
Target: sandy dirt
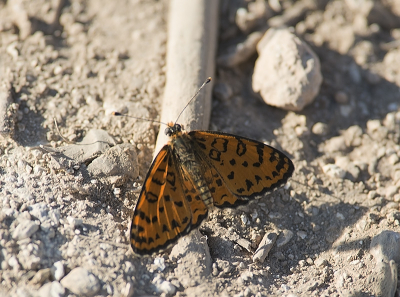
pixel 78 63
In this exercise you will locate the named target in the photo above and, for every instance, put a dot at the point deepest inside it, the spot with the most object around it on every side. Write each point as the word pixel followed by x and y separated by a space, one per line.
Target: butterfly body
pixel 197 170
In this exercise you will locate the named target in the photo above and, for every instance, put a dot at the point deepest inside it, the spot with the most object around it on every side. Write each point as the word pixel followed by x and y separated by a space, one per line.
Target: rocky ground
pixel 65 207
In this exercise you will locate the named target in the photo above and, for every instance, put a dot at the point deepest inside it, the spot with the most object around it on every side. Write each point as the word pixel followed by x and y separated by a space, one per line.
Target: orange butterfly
pixel 194 171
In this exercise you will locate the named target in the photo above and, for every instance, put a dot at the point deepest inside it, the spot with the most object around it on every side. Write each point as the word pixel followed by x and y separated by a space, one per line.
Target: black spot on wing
pixel 257 178
pixel 151 197
pixel 174 224
pixel 249 184
pixel 231 175
pixel 178 203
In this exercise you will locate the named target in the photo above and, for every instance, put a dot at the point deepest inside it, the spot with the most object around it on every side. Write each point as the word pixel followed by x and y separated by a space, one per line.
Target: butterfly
pixel 197 170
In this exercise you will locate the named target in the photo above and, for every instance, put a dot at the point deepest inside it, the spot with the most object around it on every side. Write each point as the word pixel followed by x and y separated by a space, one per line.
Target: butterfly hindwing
pixel 240 166
pixel 162 214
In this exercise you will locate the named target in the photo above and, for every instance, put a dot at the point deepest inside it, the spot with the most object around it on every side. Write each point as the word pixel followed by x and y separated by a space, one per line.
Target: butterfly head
pixel 173 129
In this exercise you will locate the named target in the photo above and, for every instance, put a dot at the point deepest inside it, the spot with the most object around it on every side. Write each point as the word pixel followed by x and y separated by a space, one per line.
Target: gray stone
pixel 386 246
pixel 117 163
pixel 284 237
pixel 287 72
pixel 81 282
pixel 265 246
pixel 40 211
pixel 25 229
pixel 57 270
pixel 334 171
pixel 53 289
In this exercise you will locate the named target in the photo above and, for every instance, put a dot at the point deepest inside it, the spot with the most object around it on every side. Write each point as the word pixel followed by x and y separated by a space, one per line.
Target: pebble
pixel 341 97
pixel 159 263
pixel 352 136
pixel 81 282
pixel 52 289
pixel 163 286
pixel 39 211
pixel 335 144
pixel 116 164
pixel 265 246
pixel 74 222
pixel 320 262
pixel 57 270
pixel 391 191
pixel 244 244
pixel 129 290
pixel 334 171
pixel 41 276
pixel 386 246
pixel 340 216
pixel 320 129
pixel 25 229
pixel 302 234
pixel 284 237
pixel 299 78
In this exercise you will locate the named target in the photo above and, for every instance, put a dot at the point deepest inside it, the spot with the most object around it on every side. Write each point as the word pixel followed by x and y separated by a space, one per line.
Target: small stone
pixel 284 237
pixel 372 194
pixel 25 229
pixel 302 234
pixel 265 246
pixel 320 129
pixel 386 246
pixel 39 211
pixel 334 171
pixel 373 125
pixel 391 191
pixel 320 262
pixel 81 282
pixel 74 222
pixel 341 97
pixel 159 263
pixel 393 159
pixel 129 290
pixel 57 270
pixel 300 79
pixel 53 289
pixel 13 262
pixel 41 276
pixel 335 144
pixel 244 244
pixel 340 216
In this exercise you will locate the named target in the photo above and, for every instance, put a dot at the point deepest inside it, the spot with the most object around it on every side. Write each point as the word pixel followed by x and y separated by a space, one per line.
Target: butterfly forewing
pixel 240 166
pixel 169 206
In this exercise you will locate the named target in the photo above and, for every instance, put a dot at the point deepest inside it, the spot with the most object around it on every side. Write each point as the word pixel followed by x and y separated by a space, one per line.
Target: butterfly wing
pixel 168 206
pixel 239 168
pixel 162 214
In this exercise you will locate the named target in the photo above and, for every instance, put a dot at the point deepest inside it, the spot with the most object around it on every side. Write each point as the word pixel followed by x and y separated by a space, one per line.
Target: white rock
pixel 81 282
pixel 129 290
pixel 334 171
pixel 287 72
pixel 53 289
pixel 57 270
pixel 25 229
pixel 40 211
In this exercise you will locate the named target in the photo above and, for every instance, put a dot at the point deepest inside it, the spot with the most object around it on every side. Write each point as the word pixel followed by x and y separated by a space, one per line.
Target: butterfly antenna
pixel 194 96
pixel 115 113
